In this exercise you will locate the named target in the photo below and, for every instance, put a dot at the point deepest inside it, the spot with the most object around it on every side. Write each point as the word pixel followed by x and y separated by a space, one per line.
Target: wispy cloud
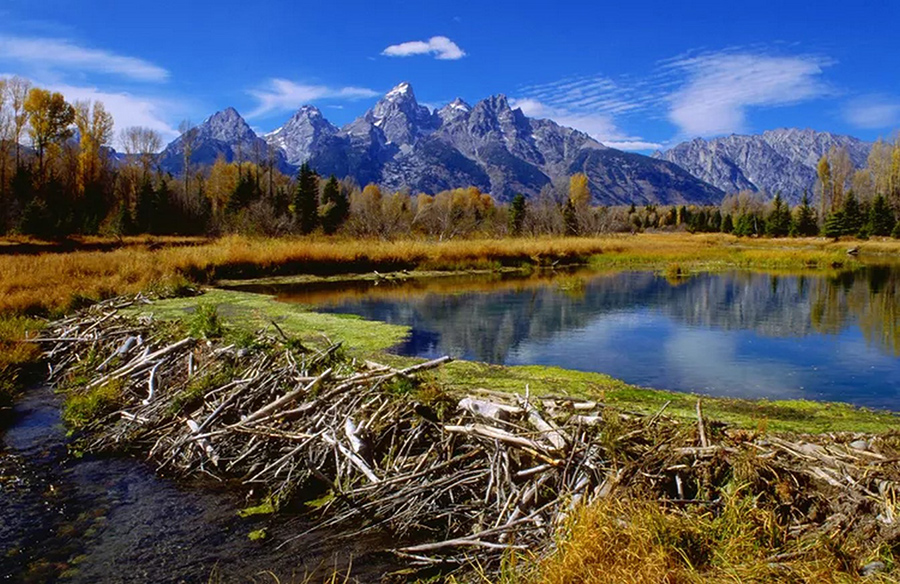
pixel 52 54
pixel 593 104
pixel 720 88
pixel 283 95
pixel 439 46
pixel 599 126
pixel 873 112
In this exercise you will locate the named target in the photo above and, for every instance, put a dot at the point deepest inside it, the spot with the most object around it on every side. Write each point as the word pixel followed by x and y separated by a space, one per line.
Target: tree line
pixel 70 181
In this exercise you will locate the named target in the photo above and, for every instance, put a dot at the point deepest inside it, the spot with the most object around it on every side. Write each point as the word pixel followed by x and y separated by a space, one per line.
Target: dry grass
pixel 621 540
pixel 55 282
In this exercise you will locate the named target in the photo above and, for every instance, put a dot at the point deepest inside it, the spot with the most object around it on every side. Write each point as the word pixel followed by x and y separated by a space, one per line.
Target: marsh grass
pixel 55 282
pixel 635 540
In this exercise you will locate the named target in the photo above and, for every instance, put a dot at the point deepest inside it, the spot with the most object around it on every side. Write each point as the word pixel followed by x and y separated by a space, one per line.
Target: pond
pixel 831 337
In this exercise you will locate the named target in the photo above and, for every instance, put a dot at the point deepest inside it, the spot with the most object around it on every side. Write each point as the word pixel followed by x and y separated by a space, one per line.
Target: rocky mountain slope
pixel 402 144
pixel 225 134
pixel 778 160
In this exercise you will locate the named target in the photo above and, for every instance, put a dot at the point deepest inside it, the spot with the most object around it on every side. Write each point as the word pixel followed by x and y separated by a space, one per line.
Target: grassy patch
pixel 85 406
pixel 251 312
pixel 18 359
pixel 784 415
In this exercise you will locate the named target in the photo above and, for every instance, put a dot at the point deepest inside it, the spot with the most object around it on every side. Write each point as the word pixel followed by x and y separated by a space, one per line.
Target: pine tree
pixel 835 225
pixel 778 223
pixel 804 222
pixel 335 206
pixel 305 200
pixel 727 225
pixel 145 207
pixel 881 218
pixel 853 215
pixel 517 214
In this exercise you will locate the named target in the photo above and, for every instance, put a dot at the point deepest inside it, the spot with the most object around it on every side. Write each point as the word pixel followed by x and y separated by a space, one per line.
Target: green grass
pixel 242 311
pixel 251 312
pixel 801 416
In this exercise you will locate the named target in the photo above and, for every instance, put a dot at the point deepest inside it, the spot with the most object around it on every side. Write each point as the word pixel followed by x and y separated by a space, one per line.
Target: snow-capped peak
pixel 402 90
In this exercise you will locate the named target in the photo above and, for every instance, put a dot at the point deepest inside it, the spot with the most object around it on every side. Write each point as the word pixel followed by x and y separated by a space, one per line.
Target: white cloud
pixel 127 109
pixel 873 112
pixel 721 87
pixel 599 126
pixel 439 46
pixel 283 95
pixel 59 54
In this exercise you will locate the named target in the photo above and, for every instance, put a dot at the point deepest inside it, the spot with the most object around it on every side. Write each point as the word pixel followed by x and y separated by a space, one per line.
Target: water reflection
pixel 740 334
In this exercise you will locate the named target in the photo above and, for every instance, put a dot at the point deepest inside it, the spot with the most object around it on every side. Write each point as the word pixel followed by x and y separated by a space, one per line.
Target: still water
pixel 737 334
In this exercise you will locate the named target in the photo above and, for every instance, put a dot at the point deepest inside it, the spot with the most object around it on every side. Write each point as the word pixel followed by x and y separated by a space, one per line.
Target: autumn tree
pixel 188 140
pixel 841 172
pixel 824 185
pixel 141 146
pixel 18 89
pixel 95 129
pixel 50 119
pixel 306 200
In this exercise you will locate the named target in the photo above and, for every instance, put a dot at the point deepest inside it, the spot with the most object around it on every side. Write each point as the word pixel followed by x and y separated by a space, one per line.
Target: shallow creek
pixel 70 519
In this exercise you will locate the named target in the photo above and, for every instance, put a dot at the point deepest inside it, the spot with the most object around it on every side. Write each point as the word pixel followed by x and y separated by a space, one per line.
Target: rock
pixel 778 160
pixel 859 445
pixel 872 568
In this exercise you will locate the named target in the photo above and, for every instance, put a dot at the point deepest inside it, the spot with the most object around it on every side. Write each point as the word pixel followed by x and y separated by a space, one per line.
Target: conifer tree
pixel 335 206
pixel 517 214
pixel 306 200
pixel 853 215
pixel 881 218
pixel 778 223
pixel 727 225
pixel 804 221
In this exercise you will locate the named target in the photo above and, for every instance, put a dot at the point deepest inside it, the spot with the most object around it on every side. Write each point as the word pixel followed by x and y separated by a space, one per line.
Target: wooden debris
pixel 459 480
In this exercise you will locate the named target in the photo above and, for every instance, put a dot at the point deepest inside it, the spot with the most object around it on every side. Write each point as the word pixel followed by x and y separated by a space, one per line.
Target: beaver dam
pixel 462 484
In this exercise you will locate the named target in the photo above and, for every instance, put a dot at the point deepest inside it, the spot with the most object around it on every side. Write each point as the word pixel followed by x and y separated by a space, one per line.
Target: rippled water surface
pixel 740 334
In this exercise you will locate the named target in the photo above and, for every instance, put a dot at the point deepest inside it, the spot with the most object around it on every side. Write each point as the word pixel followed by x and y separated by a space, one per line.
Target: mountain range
pixel 401 144
pixel 782 160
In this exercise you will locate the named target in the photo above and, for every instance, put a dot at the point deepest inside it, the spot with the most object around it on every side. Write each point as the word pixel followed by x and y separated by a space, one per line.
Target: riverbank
pixel 371 340
pixel 491 478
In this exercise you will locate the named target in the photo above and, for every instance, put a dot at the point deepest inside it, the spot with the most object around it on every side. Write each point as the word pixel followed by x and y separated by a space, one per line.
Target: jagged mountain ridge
pixel 782 160
pixel 224 134
pixel 402 144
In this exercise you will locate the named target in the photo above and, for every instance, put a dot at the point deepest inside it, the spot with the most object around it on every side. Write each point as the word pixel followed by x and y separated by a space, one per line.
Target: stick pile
pixel 452 480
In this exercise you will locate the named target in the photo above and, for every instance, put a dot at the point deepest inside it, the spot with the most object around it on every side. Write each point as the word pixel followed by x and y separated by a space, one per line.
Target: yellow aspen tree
pixel 50 119
pixel 95 129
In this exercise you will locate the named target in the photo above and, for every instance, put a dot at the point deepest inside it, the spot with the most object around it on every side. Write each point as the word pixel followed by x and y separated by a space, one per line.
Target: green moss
pixel 264 508
pixel 258 534
pixel 251 312
pixel 85 406
pixel 783 415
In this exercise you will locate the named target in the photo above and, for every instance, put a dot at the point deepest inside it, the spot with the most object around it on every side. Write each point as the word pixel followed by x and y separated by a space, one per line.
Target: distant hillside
pixel 778 160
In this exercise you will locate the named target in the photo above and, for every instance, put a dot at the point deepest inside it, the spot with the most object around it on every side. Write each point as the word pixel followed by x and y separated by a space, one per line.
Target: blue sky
pixel 636 75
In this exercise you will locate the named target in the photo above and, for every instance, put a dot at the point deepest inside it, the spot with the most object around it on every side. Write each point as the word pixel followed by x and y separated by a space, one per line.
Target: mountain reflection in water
pixel 737 334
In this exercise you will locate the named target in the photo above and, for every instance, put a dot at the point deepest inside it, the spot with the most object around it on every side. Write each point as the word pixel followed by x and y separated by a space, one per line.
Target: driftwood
pixel 452 478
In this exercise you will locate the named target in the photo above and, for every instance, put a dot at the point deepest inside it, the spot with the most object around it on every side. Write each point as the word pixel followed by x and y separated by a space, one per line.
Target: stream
pixel 101 519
